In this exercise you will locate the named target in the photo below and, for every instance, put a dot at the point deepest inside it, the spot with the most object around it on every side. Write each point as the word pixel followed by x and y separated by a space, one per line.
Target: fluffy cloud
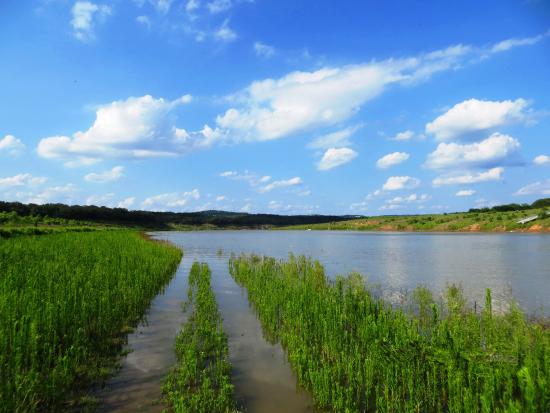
pixel 11 145
pixel 170 201
pixel 494 174
pixel 224 33
pixel 138 127
pixel 497 149
pixel 108 176
pixel 274 108
pixel 392 159
pixel 471 117
pixel 22 180
pixel 336 139
pixel 101 200
pixel 537 188
pixel 401 201
pixel 403 136
pixel 395 183
pixel 281 184
pixel 63 193
pixel 84 14
pixel 539 160
pixel 334 157
pixel 465 192
pixel 264 50
pixel 127 203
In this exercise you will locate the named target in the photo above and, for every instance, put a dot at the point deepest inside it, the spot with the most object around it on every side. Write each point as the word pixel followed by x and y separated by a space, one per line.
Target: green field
pixel 357 353
pixel 201 380
pixel 490 221
pixel 67 302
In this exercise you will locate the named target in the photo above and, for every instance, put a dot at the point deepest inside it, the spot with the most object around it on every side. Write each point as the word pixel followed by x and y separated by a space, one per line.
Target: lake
pixel 515 265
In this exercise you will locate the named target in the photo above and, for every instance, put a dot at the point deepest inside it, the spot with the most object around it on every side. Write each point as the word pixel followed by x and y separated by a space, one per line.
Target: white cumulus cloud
pixel 334 157
pixel 135 128
pixel 497 149
pixel 284 183
pixel 127 202
pixel 107 176
pixel 542 160
pixel 170 201
pixel 11 145
pixel 275 108
pixel 403 136
pixel 394 183
pixel 392 159
pixel 25 179
pixel 469 118
pixel 101 200
pixel 493 174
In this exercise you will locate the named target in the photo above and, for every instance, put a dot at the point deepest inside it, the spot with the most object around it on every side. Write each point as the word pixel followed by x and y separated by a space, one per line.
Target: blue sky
pixel 275 106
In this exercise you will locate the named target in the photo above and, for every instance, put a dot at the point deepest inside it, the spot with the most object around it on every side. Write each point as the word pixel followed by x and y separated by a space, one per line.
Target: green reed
pixel 355 352
pixel 67 302
pixel 201 380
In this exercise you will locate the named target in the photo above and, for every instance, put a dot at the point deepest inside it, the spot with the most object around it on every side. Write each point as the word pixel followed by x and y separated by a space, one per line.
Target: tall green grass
pixel 66 301
pixel 201 380
pixel 355 352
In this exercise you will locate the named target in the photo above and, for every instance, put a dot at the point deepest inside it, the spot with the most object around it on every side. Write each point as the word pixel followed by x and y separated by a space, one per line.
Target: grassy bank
pixel 201 380
pixel 67 302
pixel 355 352
pixel 489 221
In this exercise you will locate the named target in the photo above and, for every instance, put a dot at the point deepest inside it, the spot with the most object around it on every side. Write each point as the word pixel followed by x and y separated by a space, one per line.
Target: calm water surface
pixel 509 264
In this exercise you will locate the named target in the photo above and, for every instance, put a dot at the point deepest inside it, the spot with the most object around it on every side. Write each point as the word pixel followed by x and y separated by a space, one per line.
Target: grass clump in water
pixel 355 352
pixel 66 302
pixel 201 380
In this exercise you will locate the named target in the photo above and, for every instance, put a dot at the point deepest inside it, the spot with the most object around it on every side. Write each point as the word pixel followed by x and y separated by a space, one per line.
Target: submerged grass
pixel 201 380
pixel 355 352
pixel 67 302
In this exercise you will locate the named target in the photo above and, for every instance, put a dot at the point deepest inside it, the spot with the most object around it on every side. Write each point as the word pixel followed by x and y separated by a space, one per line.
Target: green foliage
pixel 355 352
pixel 466 221
pixel 201 380
pixel 66 303
pixel 161 220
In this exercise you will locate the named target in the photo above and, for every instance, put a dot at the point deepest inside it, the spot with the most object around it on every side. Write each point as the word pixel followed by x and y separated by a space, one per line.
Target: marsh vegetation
pixel 201 380
pixel 67 302
pixel 355 352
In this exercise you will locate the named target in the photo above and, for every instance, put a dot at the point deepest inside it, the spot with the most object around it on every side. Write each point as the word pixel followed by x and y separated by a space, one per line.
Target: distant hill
pixel 165 220
pixel 500 218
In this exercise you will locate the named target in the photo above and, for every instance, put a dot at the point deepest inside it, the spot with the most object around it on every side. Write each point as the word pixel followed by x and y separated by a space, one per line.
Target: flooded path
pixel 262 377
pixel 261 374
